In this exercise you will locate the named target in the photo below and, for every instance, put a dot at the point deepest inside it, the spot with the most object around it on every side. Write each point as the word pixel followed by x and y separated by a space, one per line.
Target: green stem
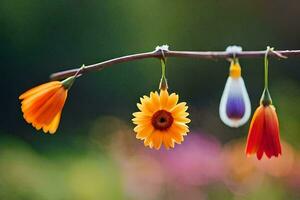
pixel 163 85
pixel 266 97
pixel 68 82
pixel 163 68
pixel 267 67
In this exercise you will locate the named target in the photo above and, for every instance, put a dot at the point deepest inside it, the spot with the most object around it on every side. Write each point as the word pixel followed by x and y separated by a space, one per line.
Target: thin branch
pixel 167 53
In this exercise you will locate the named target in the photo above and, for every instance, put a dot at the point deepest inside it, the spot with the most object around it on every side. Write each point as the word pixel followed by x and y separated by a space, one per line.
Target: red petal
pixel 255 131
pixel 273 147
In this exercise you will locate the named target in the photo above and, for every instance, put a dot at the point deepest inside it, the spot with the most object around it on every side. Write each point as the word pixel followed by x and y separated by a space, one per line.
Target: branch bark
pixel 160 53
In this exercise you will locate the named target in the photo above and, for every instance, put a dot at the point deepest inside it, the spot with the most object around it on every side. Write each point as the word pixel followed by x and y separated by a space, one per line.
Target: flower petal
pixel 40 88
pixel 52 127
pixel 164 95
pixel 51 108
pixel 172 101
pixel 181 107
pixel 255 133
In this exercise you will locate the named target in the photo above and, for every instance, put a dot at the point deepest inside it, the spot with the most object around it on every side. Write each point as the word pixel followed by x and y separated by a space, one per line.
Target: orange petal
pixel 31 108
pixel 145 133
pixel 38 98
pixel 52 127
pixel 39 88
pixel 157 138
pixel 50 109
pixel 178 137
pixel 180 128
pixel 168 141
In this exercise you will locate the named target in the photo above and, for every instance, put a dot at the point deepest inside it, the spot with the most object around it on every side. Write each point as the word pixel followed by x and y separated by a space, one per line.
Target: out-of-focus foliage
pixel 94 154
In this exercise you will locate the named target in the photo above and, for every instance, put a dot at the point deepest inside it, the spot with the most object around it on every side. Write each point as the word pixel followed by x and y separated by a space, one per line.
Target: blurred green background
pixel 94 154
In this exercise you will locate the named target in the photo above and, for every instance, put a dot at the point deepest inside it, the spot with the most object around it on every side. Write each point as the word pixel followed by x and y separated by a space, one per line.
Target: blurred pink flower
pixel 196 162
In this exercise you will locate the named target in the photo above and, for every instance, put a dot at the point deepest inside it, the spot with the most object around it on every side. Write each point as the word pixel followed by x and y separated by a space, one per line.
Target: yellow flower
pixel 161 120
pixel 42 105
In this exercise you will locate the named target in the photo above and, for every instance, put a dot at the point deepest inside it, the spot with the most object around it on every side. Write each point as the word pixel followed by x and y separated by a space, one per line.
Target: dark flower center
pixel 162 120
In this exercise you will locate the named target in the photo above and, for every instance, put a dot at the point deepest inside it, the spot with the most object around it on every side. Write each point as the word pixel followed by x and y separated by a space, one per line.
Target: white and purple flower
pixel 235 107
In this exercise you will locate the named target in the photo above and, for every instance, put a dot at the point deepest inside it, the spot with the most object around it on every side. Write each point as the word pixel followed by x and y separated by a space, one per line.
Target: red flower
pixel 263 136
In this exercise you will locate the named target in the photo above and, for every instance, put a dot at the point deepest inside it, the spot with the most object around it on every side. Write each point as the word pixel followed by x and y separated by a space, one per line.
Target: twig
pixel 159 53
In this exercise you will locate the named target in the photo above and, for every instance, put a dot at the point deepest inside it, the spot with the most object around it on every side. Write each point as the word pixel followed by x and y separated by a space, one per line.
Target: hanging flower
pixel 263 136
pixel 42 105
pixel 161 120
pixel 235 107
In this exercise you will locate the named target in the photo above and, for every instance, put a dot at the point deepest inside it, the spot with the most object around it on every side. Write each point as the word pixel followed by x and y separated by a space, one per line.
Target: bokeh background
pixel 94 154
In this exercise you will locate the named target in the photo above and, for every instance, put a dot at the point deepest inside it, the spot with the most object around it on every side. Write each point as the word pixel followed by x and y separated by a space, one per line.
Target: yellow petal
pixel 140 121
pixel 140 114
pixel 147 106
pixel 164 95
pixel 139 128
pixel 155 100
pixel 180 114
pixel 182 120
pixel 179 108
pixel 172 101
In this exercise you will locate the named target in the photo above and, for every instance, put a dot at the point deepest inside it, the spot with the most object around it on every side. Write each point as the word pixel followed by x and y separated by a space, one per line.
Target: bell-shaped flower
pixel 263 136
pixel 235 107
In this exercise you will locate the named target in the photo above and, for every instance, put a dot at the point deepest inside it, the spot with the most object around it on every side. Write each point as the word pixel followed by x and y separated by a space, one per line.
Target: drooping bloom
pixel 263 136
pixel 42 105
pixel 235 107
pixel 161 120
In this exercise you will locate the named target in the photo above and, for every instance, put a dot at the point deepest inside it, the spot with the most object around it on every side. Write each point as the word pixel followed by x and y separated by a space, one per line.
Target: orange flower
pixel 161 120
pixel 42 105
pixel 263 136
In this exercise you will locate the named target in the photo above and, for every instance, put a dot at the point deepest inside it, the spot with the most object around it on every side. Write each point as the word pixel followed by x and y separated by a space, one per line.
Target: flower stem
pixel 266 97
pixel 68 82
pixel 267 67
pixel 163 68
pixel 163 85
